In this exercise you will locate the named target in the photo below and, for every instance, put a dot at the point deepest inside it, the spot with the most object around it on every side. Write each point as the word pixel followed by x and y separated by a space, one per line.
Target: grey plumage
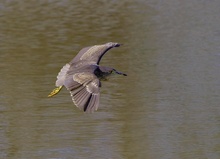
pixel 83 74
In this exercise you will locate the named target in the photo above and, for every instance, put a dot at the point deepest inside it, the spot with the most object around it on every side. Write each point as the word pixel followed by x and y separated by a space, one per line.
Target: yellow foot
pixel 55 91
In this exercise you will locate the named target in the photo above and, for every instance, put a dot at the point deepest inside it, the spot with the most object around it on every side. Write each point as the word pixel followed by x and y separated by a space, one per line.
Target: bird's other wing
pixel 84 90
pixel 94 53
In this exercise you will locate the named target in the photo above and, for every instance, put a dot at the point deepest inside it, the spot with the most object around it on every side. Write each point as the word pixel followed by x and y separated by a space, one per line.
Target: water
pixel 167 106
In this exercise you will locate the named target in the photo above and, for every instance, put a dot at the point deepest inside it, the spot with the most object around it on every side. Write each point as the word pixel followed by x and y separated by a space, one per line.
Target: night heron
pixel 83 74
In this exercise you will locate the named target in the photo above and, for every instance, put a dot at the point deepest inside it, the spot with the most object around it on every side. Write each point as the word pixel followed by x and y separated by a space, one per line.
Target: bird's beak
pixel 121 73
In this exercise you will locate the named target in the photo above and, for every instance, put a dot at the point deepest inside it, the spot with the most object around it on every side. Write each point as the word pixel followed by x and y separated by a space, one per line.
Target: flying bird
pixel 82 76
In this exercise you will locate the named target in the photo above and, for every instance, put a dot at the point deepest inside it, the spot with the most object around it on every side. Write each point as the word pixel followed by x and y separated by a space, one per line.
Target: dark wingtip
pixel 117 45
pixel 113 44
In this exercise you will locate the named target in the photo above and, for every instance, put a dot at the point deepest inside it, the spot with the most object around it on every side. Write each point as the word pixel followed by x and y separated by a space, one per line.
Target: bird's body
pixel 83 74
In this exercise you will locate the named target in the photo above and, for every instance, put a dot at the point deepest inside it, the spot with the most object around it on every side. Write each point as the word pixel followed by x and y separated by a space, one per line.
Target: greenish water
pixel 167 107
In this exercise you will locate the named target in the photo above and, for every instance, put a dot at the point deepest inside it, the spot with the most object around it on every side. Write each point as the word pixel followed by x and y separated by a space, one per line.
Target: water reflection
pixel 167 107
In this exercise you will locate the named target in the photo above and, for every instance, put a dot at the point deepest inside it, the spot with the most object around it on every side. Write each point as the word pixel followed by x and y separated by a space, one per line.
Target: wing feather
pixel 93 54
pixel 84 90
pixel 81 98
pixel 62 75
pixel 94 102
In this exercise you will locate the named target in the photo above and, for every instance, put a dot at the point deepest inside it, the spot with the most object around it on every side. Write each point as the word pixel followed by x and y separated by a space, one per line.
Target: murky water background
pixel 167 107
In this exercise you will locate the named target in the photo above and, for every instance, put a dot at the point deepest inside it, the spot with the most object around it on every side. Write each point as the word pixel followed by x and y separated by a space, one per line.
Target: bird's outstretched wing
pixel 84 90
pixel 94 53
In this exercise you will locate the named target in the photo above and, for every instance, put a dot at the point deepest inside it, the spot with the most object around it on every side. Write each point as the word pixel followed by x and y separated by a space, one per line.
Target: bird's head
pixel 107 71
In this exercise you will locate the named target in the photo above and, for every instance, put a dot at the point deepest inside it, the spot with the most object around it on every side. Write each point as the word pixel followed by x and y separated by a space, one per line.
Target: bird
pixel 82 76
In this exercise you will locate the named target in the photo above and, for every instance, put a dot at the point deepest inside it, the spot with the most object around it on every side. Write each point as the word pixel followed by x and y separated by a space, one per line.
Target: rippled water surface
pixel 168 107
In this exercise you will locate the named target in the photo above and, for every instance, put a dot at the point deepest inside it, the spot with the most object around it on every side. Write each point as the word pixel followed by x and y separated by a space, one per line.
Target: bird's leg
pixel 55 91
